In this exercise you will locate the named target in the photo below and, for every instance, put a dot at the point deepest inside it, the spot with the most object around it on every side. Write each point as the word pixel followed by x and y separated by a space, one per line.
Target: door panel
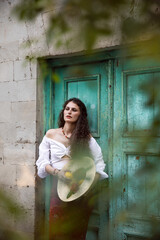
pixel 137 116
pixel 138 189
pixel 131 115
pixel 89 82
pixel 87 88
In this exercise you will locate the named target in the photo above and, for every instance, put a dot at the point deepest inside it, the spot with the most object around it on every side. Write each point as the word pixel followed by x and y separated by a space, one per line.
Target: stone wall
pixel 17 118
pixel 20 104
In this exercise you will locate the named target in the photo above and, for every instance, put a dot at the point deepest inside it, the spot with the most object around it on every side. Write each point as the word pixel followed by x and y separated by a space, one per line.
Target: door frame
pixel 111 55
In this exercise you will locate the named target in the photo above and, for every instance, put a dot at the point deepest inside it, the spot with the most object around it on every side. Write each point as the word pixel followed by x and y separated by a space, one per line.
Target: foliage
pixel 135 21
pixel 9 211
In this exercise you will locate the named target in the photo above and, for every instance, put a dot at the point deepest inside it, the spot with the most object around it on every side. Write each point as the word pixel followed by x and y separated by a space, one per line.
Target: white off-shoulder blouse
pixel 52 151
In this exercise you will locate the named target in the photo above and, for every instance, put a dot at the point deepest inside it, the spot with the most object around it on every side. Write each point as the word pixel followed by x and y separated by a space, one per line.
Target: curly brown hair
pixel 81 134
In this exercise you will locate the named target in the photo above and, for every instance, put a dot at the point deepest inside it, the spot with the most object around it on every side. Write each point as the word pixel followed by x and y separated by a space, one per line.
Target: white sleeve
pixel 43 159
pixel 98 158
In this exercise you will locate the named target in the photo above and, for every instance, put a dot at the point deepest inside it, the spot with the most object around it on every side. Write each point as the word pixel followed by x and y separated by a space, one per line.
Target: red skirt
pixel 69 220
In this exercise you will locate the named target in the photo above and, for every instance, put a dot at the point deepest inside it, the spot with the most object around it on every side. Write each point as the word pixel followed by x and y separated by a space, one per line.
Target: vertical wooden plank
pixel 88 93
pixel 72 89
pixel 110 90
pixel 48 123
pixel 138 117
pixel 87 89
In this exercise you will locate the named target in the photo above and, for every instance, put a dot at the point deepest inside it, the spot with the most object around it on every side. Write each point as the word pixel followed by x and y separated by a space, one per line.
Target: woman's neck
pixel 68 128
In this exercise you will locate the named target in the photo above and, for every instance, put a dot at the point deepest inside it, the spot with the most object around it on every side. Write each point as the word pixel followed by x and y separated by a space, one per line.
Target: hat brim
pixel 63 187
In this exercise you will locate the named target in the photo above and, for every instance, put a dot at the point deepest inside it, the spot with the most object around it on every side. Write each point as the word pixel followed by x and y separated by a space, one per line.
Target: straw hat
pixel 80 174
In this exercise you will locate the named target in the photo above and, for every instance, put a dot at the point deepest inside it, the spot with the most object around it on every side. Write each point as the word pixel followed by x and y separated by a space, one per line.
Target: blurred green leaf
pixel 56 78
pixel 138 20
pixel 9 211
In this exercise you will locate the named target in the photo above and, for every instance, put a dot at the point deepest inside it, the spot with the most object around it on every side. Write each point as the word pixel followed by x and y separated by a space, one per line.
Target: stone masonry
pixel 17 118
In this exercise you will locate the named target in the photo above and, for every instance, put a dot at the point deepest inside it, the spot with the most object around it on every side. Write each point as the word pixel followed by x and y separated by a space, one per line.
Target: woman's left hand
pixel 62 174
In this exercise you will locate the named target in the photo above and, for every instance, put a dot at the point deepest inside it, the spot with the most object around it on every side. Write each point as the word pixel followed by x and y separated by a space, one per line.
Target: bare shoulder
pixel 51 133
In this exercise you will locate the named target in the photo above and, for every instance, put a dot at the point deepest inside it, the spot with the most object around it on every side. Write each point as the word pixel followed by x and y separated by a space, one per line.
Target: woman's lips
pixel 68 117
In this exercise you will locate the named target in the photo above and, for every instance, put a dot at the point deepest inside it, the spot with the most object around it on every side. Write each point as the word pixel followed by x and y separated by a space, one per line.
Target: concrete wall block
pixel 18 91
pixel 26 225
pixel 25 132
pixel 8 220
pixel 1 154
pixel 36 28
pixel 8 175
pixel 19 195
pixel 53 50
pixel 24 49
pixel 114 39
pixel 40 48
pixel 25 176
pixel 28 235
pixel 5 7
pixel 6 89
pixel 9 51
pixel 18 132
pixel 12 31
pixel 6 71
pixel 5 109
pixel 23 234
pixel 22 70
pixel 7 132
pixel 37 35
pixel 19 154
pixel 23 111
pixel 26 91
pixel 24 196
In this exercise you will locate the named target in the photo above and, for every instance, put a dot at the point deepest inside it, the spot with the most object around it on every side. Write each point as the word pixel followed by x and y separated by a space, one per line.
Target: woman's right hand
pixel 55 171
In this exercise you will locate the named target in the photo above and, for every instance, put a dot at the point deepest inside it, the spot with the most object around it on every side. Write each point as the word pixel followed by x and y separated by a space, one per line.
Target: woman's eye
pixel 74 110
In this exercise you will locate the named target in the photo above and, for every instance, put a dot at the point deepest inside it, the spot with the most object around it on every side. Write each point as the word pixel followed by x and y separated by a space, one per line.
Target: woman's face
pixel 71 112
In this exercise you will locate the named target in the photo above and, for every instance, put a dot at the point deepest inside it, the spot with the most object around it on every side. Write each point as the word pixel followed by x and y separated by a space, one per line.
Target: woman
pixel 71 139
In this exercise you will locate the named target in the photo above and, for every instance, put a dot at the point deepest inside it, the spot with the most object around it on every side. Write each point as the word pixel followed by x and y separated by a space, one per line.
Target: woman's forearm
pixel 49 169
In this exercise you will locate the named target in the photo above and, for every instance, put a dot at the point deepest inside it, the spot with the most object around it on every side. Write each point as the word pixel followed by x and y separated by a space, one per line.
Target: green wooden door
pixel 138 192
pixel 110 90
pixel 88 82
